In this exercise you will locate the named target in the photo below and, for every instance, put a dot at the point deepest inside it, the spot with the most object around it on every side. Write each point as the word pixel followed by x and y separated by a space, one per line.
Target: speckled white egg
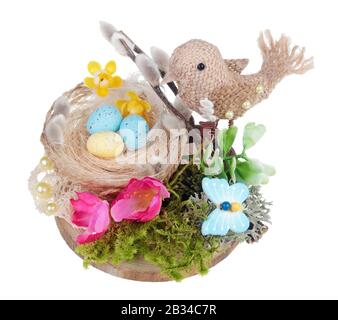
pixel 105 118
pixel 134 130
pixel 106 145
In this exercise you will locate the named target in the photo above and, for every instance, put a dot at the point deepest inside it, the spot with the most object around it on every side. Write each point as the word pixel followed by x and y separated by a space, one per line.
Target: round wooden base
pixel 137 269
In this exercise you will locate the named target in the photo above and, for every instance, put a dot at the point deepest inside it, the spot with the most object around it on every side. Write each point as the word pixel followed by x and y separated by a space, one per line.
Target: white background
pixel 45 47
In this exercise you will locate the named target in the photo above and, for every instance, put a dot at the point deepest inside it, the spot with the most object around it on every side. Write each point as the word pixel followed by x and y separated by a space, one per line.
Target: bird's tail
pixel 280 59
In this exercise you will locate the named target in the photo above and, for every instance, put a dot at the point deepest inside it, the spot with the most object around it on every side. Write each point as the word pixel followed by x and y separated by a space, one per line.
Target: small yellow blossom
pixel 135 105
pixel 102 79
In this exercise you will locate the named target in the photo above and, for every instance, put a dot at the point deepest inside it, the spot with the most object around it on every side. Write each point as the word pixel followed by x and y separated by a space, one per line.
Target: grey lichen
pixel 258 210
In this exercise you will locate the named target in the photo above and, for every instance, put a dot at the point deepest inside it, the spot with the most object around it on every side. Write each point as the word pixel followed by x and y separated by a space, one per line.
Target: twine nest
pixel 106 177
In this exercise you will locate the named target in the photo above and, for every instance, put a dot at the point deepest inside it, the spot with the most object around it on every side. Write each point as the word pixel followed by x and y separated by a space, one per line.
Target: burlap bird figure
pixel 215 87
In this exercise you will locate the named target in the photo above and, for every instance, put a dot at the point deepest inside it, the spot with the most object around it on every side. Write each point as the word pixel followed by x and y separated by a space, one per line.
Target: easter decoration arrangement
pixel 138 187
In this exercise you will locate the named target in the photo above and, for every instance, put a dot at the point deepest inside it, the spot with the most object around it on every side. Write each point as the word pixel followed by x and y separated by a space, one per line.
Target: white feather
pixel 59 120
pixel 161 58
pixel 206 103
pixel 62 106
pixel 54 133
pixel 107 30
pixel 209 117
pixel 115 41
pixel 207 109
pixel 148 69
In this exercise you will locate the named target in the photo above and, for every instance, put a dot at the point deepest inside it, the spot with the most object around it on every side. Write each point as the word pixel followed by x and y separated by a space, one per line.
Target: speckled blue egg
pixel 133 131
pixel 105 118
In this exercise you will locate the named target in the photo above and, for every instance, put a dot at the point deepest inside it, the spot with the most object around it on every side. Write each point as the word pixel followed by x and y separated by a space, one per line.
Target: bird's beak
pixel 169 77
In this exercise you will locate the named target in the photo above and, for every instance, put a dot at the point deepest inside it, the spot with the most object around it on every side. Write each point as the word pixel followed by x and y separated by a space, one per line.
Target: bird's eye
pixel 201 66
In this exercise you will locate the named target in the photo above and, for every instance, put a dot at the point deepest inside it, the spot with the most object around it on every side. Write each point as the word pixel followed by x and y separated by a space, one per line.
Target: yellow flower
pixel 103 79
pixel 135 105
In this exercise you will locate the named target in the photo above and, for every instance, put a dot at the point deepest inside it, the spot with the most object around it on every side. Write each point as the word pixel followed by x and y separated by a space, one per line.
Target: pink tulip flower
pixel 92 213
pixel 140 200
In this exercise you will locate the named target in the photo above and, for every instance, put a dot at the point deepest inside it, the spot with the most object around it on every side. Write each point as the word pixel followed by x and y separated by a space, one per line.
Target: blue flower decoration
pixel 229 212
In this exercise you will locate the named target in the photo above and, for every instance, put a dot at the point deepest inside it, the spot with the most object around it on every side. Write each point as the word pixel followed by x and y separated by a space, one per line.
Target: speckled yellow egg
pixel 106 144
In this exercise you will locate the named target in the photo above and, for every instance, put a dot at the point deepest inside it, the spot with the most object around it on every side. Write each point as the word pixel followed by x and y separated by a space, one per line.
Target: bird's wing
pixel 234 99
pixel 236 65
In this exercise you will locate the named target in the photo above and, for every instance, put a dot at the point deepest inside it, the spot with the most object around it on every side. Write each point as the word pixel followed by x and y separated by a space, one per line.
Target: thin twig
pixel 137 49
pixel 168 104
pixel 171 85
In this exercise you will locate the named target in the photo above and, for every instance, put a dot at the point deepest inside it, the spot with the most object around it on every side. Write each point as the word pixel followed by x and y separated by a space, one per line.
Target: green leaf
pixel 249 167
pixel 227 138
pixel 269 170
pixel 250 172
pixel 252 134
pixel 254 173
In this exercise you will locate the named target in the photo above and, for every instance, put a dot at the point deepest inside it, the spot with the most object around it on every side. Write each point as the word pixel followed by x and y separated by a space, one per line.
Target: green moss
pixel 173 241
